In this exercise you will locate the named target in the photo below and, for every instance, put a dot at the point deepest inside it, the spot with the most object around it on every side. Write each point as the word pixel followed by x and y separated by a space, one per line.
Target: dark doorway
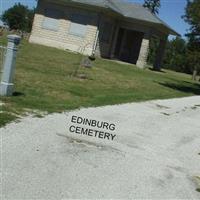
pixel 128 45
pixel 119 42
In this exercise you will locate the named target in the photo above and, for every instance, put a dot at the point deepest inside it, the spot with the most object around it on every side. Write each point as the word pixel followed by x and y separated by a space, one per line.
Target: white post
pixel 6 86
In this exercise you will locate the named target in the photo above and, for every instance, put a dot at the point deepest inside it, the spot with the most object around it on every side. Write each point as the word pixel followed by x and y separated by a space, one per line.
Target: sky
pixel 170 11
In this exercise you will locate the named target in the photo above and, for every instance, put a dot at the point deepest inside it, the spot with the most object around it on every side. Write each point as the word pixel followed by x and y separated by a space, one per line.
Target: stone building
pixel 113 29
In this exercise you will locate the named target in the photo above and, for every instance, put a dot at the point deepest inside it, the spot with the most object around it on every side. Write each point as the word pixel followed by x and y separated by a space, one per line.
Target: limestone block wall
pixel 144 50
pixel 62 38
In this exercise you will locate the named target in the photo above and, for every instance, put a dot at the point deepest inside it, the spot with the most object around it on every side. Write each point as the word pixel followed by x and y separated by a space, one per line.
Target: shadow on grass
pixel 152 69
pixel 186 87
pixel 6 118
pixel 17 94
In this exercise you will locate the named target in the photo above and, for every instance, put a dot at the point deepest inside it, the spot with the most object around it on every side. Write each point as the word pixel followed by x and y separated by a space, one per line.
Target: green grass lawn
pixel 43 82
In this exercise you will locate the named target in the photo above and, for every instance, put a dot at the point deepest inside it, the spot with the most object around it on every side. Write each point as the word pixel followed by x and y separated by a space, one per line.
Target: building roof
pixel 128 10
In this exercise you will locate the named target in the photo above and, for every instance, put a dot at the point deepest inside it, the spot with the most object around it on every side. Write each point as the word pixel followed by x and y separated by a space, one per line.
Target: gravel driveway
pixel 154 154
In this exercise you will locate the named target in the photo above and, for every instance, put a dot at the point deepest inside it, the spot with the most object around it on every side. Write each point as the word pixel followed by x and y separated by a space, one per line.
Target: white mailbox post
pixel 6 86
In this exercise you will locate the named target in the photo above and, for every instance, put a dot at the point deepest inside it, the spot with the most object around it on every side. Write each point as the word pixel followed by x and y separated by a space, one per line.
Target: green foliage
pixel 175 55
pixel 19 17
pixel 192 17
pixel 6 118
pixel 183 55
pixel 193 59
pixel 152 5
pixel 154 42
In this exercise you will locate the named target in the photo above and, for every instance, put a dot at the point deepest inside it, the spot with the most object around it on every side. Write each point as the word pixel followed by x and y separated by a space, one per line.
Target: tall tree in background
pixel 192 17
pixel 19 17
pixel 175 55
pixel 152 5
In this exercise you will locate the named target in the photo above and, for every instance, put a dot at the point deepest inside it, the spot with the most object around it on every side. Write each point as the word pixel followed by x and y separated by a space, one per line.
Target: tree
pixel 175 55
pixel 153 46
pixel 19 17
pixel 193 60
pixel 152 5
pixel 192 17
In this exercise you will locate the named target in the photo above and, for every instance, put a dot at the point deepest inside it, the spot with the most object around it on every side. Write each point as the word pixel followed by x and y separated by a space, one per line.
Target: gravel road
pixel 153 153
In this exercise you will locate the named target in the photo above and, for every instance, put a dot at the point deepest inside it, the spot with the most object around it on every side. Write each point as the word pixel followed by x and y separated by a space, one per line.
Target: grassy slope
pixel 43 82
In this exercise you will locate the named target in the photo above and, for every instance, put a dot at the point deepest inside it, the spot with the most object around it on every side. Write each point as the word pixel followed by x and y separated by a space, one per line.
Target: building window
pixel 51 20
pixel 107 31
pixel 78 26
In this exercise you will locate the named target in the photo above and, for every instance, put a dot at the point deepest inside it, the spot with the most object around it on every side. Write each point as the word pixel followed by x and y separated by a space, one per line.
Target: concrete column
pixel 160 54
pixel 144 50
pixel 6 86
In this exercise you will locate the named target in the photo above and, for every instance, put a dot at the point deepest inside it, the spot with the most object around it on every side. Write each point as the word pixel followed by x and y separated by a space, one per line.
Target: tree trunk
pixel 194 76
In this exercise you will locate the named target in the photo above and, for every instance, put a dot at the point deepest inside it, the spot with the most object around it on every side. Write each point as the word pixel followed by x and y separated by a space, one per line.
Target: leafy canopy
pixel 19 17
pixel 192 17
pixel 152 5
